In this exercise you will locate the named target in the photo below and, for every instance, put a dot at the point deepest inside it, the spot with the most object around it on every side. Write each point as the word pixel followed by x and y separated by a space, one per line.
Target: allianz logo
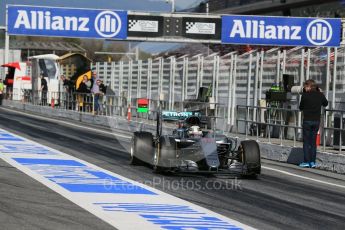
pixel 107 23
pixel 318 31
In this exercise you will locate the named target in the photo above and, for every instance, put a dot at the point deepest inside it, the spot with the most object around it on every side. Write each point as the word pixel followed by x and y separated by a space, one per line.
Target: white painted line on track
pixel 70 124
pixel 119 201
pixel 303 177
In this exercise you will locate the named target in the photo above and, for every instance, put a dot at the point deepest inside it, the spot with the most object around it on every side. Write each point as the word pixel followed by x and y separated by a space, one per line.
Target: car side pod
pixel 250 157
pixel 141 148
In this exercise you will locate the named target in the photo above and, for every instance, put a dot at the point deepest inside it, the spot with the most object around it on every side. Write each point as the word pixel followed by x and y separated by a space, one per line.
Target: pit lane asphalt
pixel 274 200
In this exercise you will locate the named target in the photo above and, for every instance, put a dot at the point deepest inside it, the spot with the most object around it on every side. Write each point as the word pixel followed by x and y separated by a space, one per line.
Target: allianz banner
pixel 66 22
pixel 281 31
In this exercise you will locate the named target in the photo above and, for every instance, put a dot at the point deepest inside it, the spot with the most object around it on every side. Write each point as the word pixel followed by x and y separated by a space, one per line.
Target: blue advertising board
pixel 67 22
pixel 281 31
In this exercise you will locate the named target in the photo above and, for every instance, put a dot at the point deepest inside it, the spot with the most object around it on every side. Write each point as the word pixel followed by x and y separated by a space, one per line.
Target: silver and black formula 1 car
pixel 191 149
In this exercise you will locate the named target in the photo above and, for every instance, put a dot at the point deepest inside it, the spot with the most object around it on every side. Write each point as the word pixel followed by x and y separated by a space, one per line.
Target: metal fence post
pixel 202 59
pixel 112 76
pixel 183 79
pixel 230 88
pixel 281 128
pixel 120 77
pixel 256 83
pixel 301 85
pixel 214 77
pixel 278 67
pixel 307 76
pixel 341 132
pixel 284 63
pixel 149 78
pixel 269 125
pixel 217 79
pixel 261 73
pixel 334 78
pixel 324 130
pixel 172 83
pixel 198 73
pixel 328 79
pixel 295 130
pixel 93 104
pixel 105 73
pixel 246 122
pixel 233 90
pixel 7 39
pixel 140 63
pixel 130 73
pixel 186 76
pixel 249 85
pixel 160 76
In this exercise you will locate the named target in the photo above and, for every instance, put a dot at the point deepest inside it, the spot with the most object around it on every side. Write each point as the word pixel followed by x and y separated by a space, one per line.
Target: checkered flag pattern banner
pixel 132 23
pixel 189 25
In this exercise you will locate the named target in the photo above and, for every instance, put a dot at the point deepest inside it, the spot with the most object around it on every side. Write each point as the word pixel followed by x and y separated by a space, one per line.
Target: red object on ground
pixel 129 114
pixel 52 103
pixel 318 138
pixel 12 65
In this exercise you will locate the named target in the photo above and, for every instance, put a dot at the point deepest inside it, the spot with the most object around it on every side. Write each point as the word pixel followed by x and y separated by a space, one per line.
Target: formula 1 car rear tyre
pixel 250 157
pixel 164 155
pixel 141 148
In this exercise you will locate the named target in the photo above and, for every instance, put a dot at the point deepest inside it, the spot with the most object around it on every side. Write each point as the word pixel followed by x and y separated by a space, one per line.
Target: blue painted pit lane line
pixel 47 162
pixel 27 148
pixel 77 177
pixel 9 137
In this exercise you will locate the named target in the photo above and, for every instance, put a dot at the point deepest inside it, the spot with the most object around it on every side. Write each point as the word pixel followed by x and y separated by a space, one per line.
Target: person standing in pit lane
pixel 311 103
pixel 44 90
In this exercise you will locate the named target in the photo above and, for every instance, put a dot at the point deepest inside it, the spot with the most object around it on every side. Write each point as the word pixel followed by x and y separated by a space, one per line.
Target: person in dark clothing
pixel 103 88
pixel 44 89
pixel 67 84
pixel 83 88
pixel 68 87
pixel 311 103
pixel 82 91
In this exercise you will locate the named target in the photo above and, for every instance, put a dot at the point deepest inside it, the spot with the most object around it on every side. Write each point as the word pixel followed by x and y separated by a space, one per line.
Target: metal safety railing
pixel 83 102
pixel 271 122
pixel 282 124
pixel 233 79
pixel 118 106
pixel 336 130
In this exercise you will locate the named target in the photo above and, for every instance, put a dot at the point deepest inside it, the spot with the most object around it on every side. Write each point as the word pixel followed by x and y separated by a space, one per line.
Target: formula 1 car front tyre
pixel 141 148
pixel 250 157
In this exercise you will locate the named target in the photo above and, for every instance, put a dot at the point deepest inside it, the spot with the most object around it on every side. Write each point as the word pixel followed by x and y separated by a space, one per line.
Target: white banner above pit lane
pixel 119 201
